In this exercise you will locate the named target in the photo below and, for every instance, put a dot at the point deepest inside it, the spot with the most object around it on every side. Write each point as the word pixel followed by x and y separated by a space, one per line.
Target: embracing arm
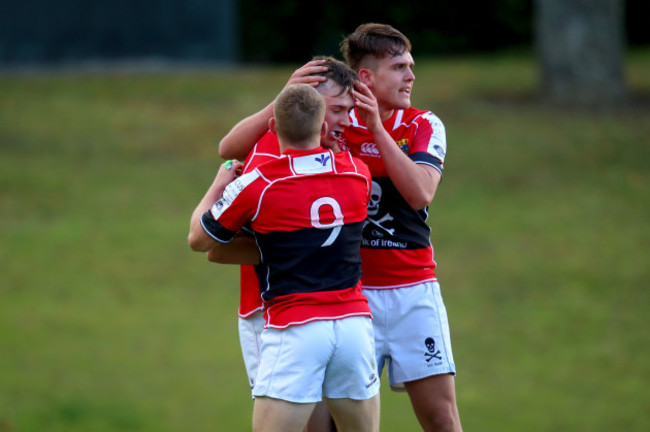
pixel 241 250
pixel 242 137
pixel 198 239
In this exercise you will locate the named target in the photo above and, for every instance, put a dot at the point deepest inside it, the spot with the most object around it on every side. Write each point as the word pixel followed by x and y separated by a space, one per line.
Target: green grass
pixel 108 322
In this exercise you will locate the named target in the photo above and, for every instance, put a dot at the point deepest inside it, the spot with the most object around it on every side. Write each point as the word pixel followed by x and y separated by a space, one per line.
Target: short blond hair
pixel 299 112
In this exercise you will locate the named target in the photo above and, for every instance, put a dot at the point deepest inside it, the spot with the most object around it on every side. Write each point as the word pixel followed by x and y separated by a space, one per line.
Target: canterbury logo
pixel 369 149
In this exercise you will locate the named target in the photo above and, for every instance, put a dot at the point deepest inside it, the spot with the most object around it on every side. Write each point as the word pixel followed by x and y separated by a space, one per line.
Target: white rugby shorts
pixel 250 331
pixel 411 333
pixel 304 363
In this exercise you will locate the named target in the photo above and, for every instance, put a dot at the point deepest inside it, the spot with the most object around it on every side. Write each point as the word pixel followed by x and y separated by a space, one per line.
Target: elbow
pixel 224 150
pixel 421 197
pixel 192 242
pixel 419 205
pixel 419 194
pixel 197 242
pixel 420 200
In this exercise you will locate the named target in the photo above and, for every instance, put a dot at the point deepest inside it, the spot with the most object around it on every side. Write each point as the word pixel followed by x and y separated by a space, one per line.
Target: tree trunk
pixel 580 46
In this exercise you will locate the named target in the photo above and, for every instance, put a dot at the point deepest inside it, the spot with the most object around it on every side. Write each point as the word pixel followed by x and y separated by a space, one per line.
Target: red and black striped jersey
pixel 396 250
pixel 307 210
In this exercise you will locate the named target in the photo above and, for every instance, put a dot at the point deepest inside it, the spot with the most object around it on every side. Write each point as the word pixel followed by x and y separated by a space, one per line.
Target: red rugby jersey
pixel 396 250
pixel 250 300
pixel 307 210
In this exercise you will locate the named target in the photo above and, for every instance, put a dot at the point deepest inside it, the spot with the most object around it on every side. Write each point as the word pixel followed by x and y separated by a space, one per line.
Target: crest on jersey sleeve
pixel 232 191
pixel 404 145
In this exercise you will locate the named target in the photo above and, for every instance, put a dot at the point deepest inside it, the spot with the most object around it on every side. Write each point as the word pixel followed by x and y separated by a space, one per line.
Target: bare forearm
pixel 242 250
pixel 241 139
pixel 198 239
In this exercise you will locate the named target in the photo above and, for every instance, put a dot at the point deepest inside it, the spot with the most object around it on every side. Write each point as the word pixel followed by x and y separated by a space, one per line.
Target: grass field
pixel 109 323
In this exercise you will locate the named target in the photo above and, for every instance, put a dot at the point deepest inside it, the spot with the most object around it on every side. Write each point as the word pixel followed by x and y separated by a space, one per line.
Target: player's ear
pixel 366 76
pixel 272 125
pixel 323 130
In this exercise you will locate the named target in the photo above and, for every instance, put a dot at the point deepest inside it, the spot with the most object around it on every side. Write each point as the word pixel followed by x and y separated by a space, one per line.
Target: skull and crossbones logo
pixel 431 347
pixel 373 209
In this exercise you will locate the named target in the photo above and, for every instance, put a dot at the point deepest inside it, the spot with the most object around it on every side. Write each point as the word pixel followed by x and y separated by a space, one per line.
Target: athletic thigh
pixel 434 401
pixel 273 415
pixel 355 415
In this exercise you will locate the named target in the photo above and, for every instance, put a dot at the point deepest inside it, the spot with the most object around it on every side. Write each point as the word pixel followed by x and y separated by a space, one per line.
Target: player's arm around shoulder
pixel 242 137
pixel 241 250
pixel 198 239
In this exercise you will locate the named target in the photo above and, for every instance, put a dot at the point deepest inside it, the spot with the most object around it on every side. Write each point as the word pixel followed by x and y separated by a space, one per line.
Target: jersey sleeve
pixel 233 210
pixel 430 142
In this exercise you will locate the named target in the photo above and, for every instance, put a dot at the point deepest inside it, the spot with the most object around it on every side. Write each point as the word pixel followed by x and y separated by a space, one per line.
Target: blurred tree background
pixel 253 31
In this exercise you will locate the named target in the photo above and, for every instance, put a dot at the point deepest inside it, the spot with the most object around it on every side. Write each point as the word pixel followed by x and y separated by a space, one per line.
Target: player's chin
pixel 403 101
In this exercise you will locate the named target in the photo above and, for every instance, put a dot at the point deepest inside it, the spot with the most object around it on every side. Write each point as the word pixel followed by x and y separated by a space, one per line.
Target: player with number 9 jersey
pixel 307 210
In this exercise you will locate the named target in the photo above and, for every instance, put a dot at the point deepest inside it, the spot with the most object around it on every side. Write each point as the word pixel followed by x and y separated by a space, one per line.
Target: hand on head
pixel 305 74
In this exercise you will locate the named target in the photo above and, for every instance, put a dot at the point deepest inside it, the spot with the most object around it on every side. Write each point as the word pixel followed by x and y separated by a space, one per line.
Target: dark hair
pixel 338 72
pixel 378 40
